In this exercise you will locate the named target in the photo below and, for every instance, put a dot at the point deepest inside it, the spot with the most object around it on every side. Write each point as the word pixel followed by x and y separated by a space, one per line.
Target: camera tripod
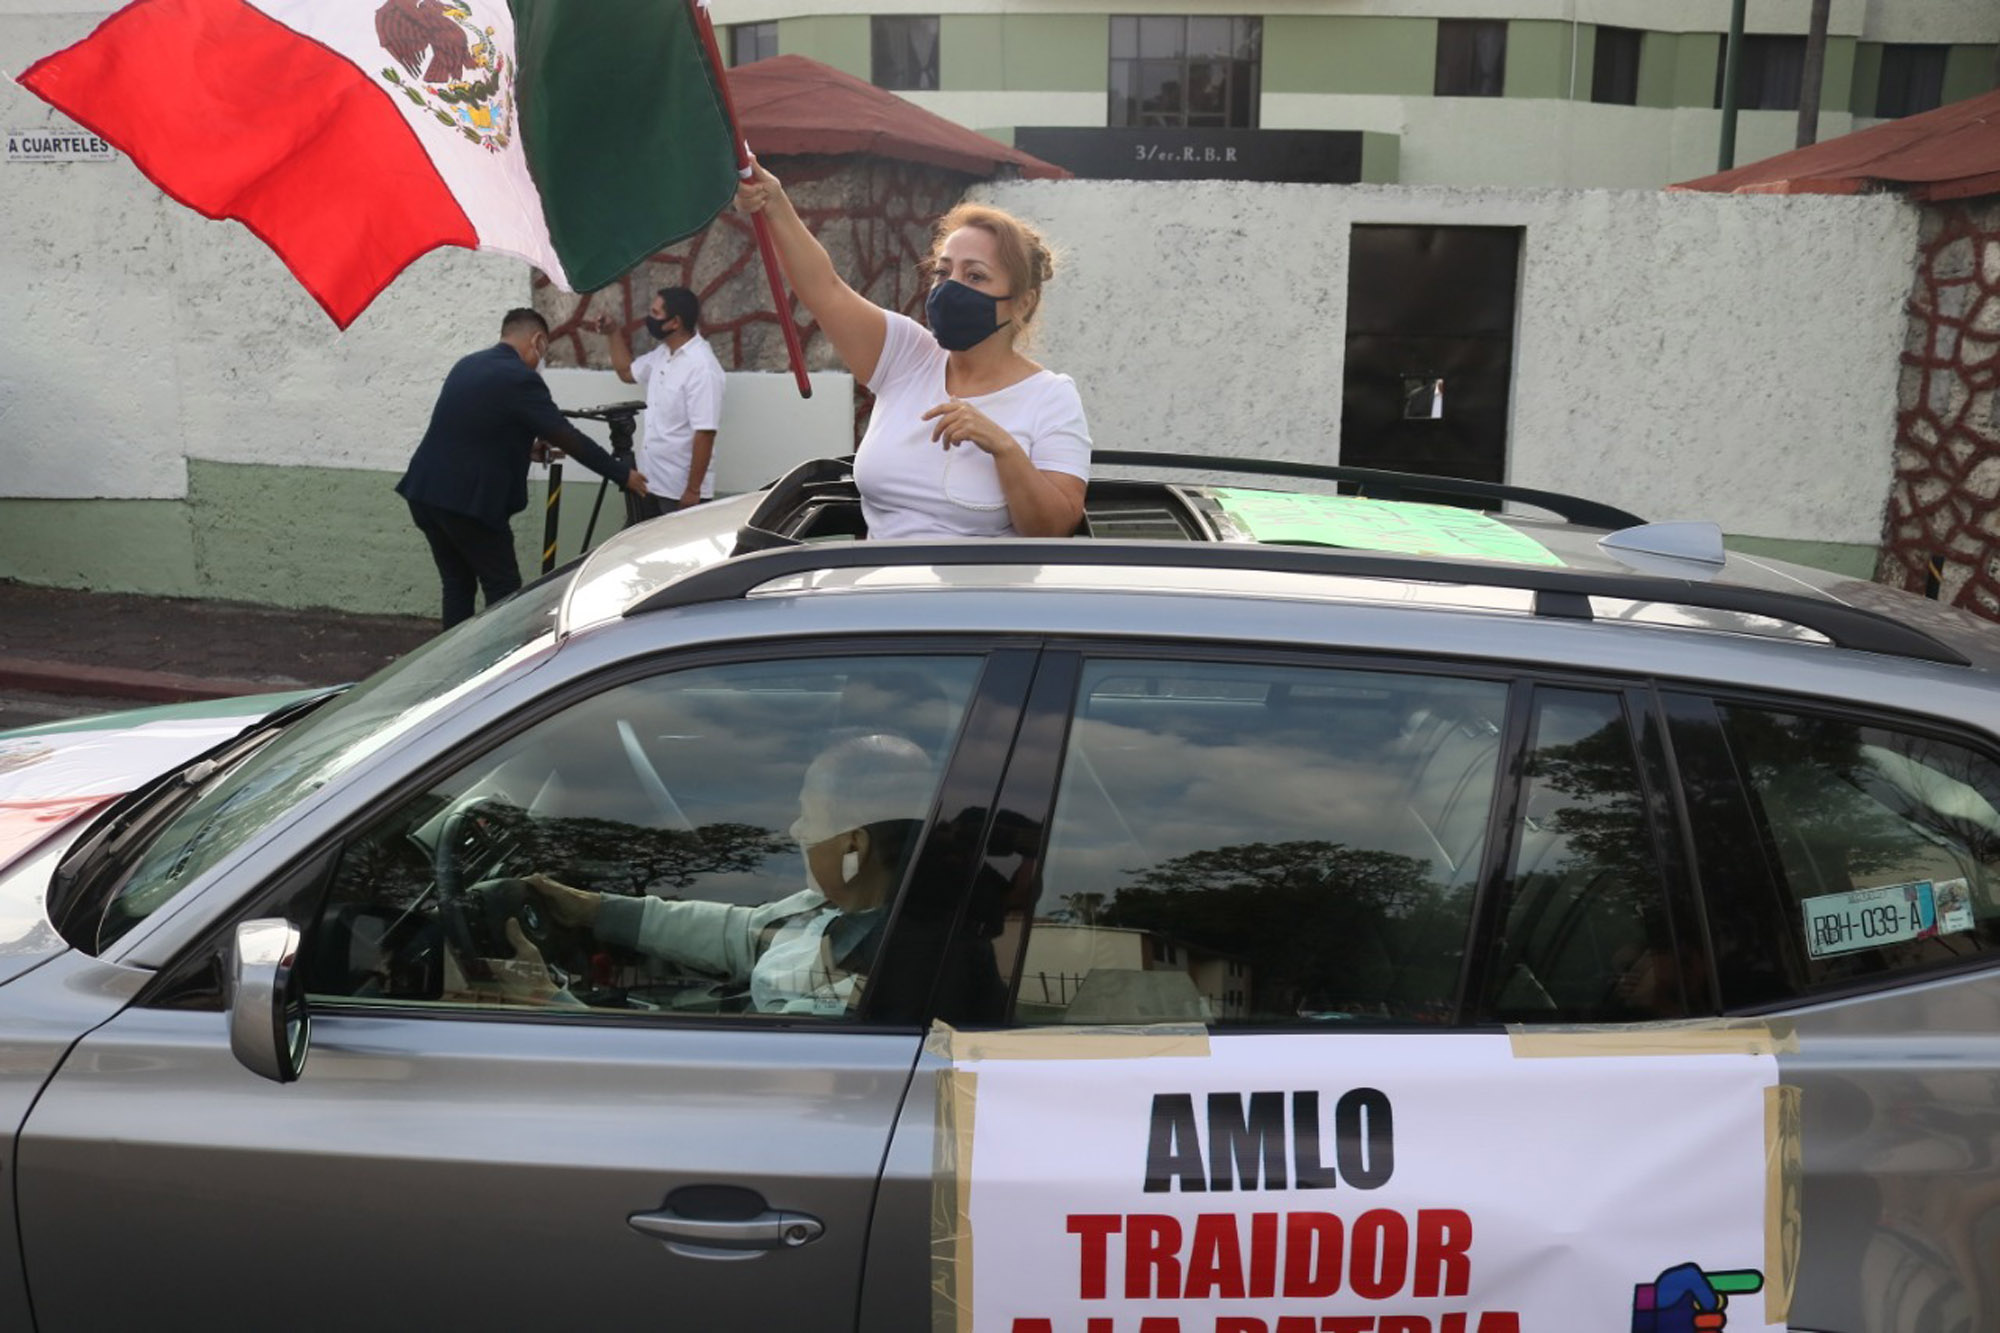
pixel 623 418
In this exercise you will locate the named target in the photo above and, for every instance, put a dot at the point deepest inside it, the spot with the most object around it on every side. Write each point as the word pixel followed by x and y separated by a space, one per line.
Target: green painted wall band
pixel 1837 83
pixel 281 536
pixel 1360 54
pixel 328 537
pixel 1852 559
pixel 1350 54
pixel 142 546
pixel 1968 72
pixel 844 41
pixel 1659 69
pixel 972 52
pixel 1381 158
pixel 1866 78
pixel 1694 68
pixel 1538 60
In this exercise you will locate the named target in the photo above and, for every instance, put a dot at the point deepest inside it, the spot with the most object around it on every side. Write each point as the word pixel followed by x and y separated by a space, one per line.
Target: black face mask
pixel 656 327
pixel 960 317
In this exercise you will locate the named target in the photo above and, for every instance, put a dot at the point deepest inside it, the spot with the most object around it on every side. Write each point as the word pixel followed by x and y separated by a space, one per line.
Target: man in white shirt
pixel 683 384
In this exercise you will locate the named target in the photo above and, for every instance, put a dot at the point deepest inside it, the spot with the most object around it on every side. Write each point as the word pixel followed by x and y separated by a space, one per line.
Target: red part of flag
pixel 237 116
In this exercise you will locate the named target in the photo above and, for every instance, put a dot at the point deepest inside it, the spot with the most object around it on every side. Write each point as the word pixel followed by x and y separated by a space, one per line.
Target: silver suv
pixel 654 936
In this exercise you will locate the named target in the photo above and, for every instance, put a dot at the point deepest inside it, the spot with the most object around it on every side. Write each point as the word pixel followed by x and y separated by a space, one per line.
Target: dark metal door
pixel 1430 349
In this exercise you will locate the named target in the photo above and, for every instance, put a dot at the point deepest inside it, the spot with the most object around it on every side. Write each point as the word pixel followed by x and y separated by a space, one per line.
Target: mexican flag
pixel 354 135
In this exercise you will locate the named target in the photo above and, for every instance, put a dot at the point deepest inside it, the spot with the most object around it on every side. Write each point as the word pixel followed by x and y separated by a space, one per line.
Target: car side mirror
pixel 269 1028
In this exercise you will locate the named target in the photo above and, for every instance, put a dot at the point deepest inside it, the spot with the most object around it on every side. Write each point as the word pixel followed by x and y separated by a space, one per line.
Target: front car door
pixel 520 1113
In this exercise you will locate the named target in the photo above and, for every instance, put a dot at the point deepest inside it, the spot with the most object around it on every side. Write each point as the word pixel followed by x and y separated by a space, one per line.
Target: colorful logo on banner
pixel 455 70
pixel 1684 1299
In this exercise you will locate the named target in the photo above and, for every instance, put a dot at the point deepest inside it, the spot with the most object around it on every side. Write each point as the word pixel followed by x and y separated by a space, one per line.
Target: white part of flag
pixel 490 182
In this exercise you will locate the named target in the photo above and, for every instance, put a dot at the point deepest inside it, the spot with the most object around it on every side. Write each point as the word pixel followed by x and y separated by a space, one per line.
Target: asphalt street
pixel 24 708
pixel 69 652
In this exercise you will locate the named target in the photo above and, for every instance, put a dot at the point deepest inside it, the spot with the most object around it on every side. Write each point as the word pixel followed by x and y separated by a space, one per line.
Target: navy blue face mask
pixel 960 317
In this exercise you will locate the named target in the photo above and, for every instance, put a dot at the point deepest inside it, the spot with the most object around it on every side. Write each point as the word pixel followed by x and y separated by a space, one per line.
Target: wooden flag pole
pixel 780 300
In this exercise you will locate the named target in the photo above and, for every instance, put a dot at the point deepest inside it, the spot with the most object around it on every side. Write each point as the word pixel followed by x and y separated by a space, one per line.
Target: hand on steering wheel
pixel 570 907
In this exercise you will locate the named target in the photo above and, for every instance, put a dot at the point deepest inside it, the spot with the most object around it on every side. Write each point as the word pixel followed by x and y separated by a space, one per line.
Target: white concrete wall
pixel 135 335
pixel 766 430
pixel 1685 356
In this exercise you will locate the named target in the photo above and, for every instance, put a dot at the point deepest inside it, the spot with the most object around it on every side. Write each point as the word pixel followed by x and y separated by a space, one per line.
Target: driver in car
pixel 860 808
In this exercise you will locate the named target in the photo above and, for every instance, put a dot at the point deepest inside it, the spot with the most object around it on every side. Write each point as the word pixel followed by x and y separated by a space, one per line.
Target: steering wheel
pixel 490 904
pixel 664 804
pixel 461 931
pixel 448 856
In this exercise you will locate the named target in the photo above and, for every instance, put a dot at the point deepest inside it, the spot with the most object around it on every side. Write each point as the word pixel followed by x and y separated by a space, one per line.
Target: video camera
pixel 623 418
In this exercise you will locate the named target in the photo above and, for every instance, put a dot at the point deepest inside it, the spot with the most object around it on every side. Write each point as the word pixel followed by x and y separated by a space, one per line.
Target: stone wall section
pixel 874 217
pixel 1942 504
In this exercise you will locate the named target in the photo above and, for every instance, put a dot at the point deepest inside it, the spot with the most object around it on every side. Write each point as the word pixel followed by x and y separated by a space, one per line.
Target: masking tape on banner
pixel 1124 1042
pixel 1784 1186
pixel 957 1096
pixel 951 1188
pixel 1694 1037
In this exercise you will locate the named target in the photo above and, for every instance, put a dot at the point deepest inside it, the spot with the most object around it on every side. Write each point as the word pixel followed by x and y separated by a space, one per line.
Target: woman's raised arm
pixel 855 325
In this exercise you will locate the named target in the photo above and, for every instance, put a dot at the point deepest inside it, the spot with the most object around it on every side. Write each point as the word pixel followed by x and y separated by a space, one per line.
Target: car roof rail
pixel 1380 484
pixel 1560 593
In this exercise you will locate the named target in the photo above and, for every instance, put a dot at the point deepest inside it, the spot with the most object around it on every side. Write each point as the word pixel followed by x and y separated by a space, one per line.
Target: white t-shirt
pixel 912 486
pixel 683 395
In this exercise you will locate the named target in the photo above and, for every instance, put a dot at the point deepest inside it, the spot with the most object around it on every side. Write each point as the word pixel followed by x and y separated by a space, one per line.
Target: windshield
pixel 325 743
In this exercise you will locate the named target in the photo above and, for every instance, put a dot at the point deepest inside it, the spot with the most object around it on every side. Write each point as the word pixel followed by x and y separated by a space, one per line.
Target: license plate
pixel 1838 923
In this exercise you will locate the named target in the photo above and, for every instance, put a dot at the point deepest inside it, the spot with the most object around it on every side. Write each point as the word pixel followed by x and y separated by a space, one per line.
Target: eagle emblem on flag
pixel 450 66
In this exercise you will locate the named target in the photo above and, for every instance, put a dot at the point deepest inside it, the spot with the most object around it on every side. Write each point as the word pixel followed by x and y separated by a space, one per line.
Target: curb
pixel 163 687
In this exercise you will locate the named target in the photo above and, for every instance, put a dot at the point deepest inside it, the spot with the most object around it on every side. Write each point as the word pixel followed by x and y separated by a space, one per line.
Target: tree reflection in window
pixel 1262 843
pixel 1327 931
pixel 1846 807
pixel 1585 936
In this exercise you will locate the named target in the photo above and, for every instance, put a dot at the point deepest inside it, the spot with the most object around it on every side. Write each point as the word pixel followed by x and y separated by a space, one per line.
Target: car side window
pixel 1260 844
pixel 1585 934
pixel 1885 843
pixel 714 841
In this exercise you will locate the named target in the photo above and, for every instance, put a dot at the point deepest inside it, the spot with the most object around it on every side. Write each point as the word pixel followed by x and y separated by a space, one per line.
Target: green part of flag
pixel 623 127
pixel 1379 525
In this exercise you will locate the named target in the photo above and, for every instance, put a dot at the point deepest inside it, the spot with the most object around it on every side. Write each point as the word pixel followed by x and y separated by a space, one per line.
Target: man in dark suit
pixel 470 472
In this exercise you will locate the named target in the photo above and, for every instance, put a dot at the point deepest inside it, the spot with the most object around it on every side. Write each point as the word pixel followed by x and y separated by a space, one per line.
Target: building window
pixel 1772 70
pixel 752 41
pixel 1614 76
pixel 1186 70
pixel 906 51
pixel 1912 80
pixel 1471 58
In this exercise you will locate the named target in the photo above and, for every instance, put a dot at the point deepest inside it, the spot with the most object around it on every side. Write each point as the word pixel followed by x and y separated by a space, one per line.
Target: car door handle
pixel 733 1238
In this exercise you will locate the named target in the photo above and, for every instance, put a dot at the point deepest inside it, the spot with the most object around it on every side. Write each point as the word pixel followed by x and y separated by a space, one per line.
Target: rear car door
pixel 1851 878
pixel 1334 879
pixel 507 1120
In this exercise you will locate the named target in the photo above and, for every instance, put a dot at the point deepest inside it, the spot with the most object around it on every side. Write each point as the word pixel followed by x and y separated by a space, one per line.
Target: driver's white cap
pixel 866 780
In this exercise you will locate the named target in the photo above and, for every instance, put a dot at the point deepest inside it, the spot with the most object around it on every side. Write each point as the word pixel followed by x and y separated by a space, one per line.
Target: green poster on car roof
pixel 1378 525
